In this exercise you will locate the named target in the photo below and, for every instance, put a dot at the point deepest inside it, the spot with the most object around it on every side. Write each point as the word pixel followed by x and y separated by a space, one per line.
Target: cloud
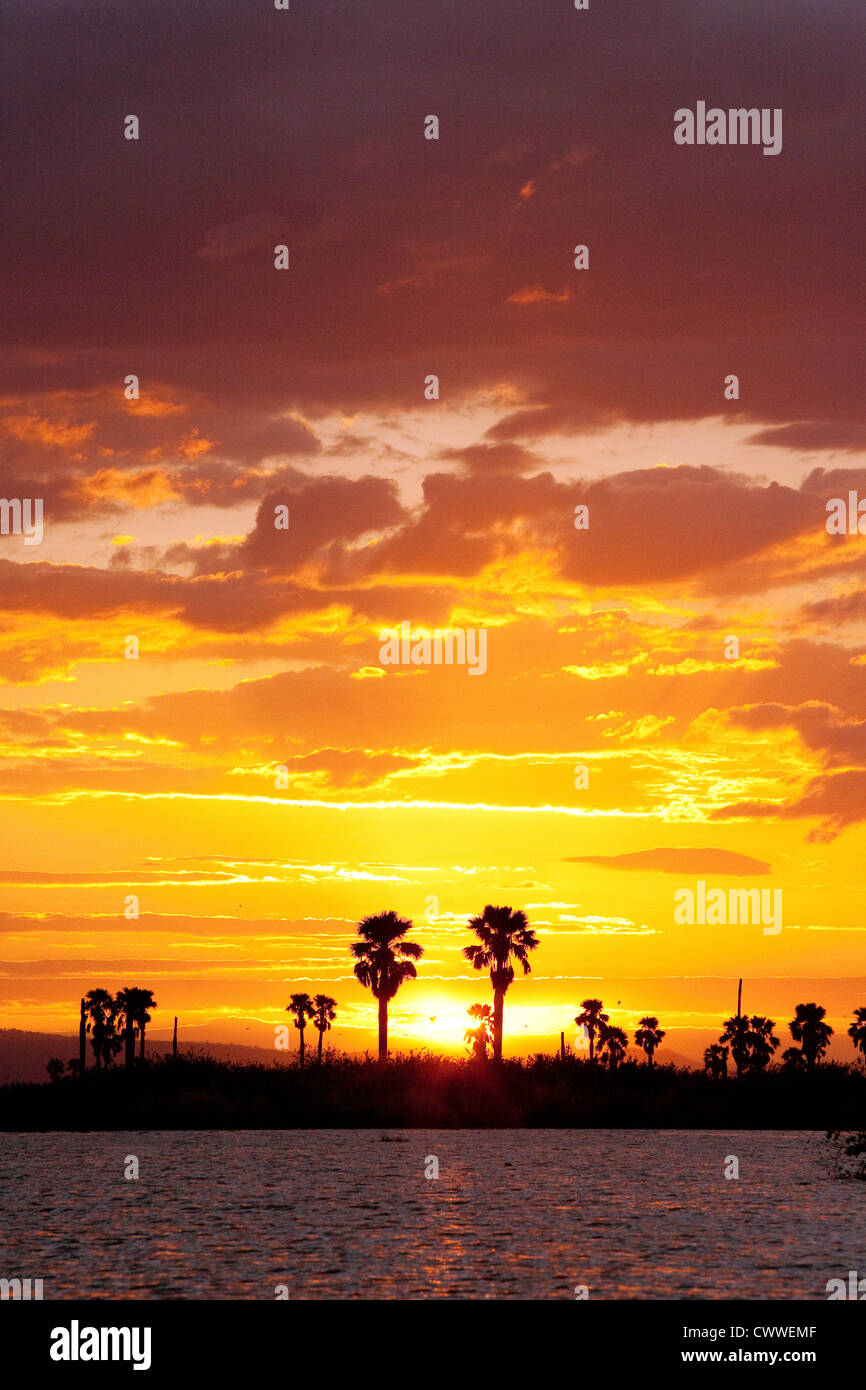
pixel 180 279
pixel 837 801
pixel 720 862
pixel 808 435
pixel 252 233
pixel 537 294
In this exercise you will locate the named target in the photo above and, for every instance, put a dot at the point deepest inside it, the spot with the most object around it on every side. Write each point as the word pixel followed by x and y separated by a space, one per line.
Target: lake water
pixel 350 1214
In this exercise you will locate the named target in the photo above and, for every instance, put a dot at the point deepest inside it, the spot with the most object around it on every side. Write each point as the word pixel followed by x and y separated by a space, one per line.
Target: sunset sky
pixel 429 790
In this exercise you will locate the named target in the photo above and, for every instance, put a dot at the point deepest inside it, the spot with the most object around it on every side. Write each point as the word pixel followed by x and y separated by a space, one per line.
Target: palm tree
pixel 128 1005
pixel 141 1001
pixel 302 1008
pixel 612 1045
pixel 592 1020
pixel 716 1062
pixel 808 1028
pixel 101 1013
pixel 481 1035
pixel 763 1042
pixel 736 1032
pixel 323 1017
pixel 384 961
pixel 503 934
pixel 648 1036
pixel 857 1031
pixel 82 1039
pixel 793 1059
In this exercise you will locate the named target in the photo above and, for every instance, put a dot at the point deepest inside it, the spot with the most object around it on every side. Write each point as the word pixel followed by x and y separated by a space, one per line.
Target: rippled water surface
pixel 350 1214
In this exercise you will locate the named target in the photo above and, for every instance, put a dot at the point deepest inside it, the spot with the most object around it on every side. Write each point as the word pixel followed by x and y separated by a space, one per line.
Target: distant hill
pixel 23 1055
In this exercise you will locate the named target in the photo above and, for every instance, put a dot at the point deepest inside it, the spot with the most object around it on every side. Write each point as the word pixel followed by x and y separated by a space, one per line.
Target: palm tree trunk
pixel 591 1032
pixel 321 1040
pixel 141 1040
pixel 130 1042
pixel 498 1010
pixel 301 1046
pixel 174 1039
pixel 383 1028
pixel 82 1041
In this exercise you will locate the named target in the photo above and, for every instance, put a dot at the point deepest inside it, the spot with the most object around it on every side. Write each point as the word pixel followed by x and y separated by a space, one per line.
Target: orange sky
pixel 427 790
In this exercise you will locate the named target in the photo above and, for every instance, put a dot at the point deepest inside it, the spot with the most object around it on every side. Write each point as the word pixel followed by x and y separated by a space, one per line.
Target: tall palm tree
pixel 612 1045
pixel 141 1002
pixel 383 961
pixel 857 1031
pixel 302 1009
pixel 503 935
pixel 808 1028
pixel 101 1013
pixel 128 1007
pixel 763 1040
pixel 481 1035
pixel 82 1039
pixel 716 1061
pixel 736 1031
pixel 592 1020
pixel 323 1017
pixel 648 1036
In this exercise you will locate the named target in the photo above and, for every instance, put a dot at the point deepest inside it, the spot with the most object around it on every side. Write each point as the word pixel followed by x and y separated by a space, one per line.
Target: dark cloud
pixel 839 740
pixel 809 435
pixel 836 801
pixel 650 525
pixel 721 862
pixel 259 126
pixel 837 798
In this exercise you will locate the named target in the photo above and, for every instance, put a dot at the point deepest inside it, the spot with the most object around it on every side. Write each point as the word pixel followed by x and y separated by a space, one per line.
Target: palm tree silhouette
pixel 612 1045
pixel 482 1034
pixel 100 1009
pixel 763 1042
pixel 129 1005
pixel 302 1008
pixel 808 1028
pixel 648 1036
pixel 82 1039
pixel 383 961
pixel 716 1061
pixel 793 1059
pixel 735 1031
pixel 857 1031
pixel 503 934
pixel 138 1003
pixel 323 1017
pixel 592 1020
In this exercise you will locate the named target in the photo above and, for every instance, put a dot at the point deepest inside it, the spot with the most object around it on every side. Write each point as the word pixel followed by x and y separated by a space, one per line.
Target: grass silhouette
pixel 422 1090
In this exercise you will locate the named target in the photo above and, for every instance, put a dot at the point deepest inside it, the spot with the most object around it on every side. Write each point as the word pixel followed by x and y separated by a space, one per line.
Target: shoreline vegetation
pixel 424 1090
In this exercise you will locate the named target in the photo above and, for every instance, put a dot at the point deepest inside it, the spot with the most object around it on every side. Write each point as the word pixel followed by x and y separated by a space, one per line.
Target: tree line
pixel 384 960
